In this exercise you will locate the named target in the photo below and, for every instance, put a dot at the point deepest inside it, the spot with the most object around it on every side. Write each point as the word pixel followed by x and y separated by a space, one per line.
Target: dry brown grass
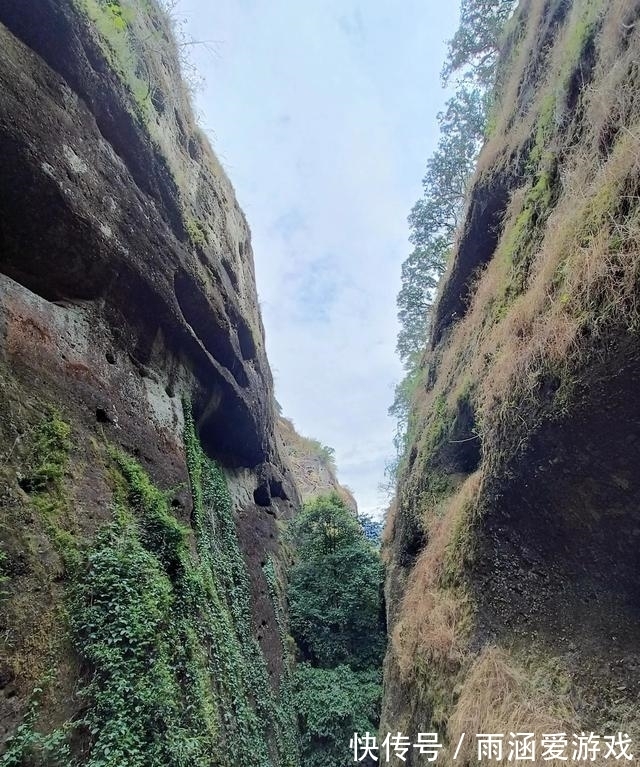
pixel 506 133
pixel 388 532
pixel 585 274
pixel 433 619
pixel 500 696
pixel 619 28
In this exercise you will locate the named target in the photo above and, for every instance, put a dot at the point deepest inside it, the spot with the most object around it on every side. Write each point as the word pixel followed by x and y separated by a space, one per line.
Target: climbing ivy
pixel 287 733
pixel 28 746
pixel 241 664
pixel 161 614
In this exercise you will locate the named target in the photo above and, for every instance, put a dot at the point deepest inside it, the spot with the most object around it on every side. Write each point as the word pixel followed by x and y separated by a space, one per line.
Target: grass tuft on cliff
pixel 545 332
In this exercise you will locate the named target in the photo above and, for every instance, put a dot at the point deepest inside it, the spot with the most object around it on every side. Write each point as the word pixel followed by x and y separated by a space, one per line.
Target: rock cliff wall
pixel 136 412
pixel 311 465
pixel 513 588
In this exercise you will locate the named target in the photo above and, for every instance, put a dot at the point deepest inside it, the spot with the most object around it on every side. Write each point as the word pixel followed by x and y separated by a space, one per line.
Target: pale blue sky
pixel 323 113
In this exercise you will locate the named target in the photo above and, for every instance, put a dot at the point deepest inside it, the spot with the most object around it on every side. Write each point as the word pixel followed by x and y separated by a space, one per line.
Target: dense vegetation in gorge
pixel 511 546
pixel 337 622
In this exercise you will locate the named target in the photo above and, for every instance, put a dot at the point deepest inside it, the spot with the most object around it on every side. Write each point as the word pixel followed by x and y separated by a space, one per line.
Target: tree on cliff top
pixel 474 48
pixel 434 219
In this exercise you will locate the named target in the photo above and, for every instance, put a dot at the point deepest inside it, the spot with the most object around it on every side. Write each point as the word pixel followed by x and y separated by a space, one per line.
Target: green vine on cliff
pixel 160 613
pixel 29 746
pixel 240 663
pixel 151 701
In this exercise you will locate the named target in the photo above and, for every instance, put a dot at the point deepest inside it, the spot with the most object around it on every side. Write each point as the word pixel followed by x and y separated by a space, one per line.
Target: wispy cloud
pixel 288 224
pixel 352 25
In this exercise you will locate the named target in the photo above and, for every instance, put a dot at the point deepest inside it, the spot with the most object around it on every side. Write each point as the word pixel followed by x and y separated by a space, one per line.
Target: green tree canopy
pixel 474 49
pixel 332 704
pixel 436 216
pixel 335 588
pixel 337 621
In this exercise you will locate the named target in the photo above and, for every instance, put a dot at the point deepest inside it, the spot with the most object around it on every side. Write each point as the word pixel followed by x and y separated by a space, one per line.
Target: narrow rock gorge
pixel 164 530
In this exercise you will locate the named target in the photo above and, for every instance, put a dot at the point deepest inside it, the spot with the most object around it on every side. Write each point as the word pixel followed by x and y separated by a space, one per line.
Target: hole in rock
pixel 261 495
pixel 277 491
pixel 411 539
pixel 195 151
pixel 231 274
pixel 483 225
pixel 245 339
pixel 462 452
pixel 102 415
pixel 158 100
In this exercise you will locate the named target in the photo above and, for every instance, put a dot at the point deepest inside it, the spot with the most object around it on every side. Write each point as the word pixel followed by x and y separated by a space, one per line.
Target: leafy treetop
pixel 335 588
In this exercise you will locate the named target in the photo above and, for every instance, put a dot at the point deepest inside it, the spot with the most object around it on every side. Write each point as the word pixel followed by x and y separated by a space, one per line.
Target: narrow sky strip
pixel 324 114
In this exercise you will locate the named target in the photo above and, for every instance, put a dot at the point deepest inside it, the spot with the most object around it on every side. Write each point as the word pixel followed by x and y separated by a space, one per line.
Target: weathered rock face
pixel 311 466
pixel 513 588
pixel 137 221
pixel 126 290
